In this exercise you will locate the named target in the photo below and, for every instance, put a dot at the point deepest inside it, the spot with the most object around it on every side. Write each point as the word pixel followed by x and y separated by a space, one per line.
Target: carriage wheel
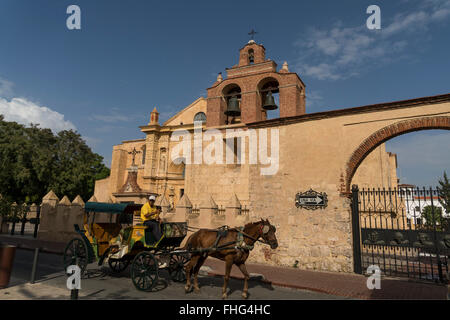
pixel 144 271
pixel 176 266
pixel 118 265
pixel 76 253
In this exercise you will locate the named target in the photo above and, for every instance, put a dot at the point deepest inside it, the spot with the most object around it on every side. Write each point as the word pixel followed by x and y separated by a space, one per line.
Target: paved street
pixel 101 284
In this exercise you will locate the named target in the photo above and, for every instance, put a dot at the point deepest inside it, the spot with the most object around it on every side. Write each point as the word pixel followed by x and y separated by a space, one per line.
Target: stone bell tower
pixel 248 91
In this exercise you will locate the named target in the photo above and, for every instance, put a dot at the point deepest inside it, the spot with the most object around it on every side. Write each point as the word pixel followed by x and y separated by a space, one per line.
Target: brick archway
pixel 387 133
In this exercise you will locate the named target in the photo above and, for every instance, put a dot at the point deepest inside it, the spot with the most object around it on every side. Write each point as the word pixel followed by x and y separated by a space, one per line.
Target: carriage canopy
pixel 112 208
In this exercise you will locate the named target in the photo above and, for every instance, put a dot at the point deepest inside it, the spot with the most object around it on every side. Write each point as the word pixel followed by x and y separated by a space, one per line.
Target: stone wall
pixel 207 214
pixel 59 216
pixel 314 153
pixel 102 192
pixel 378 170
pixel 318 151
pixel 309 239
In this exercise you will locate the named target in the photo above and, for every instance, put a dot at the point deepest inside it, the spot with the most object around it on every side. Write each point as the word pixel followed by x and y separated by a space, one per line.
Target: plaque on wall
pixel 311 200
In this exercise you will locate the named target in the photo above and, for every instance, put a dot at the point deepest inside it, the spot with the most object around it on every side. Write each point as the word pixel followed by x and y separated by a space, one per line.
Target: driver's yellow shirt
pixel 146 209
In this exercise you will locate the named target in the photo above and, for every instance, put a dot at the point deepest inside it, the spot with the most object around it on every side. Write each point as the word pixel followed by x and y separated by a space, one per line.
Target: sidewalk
pixel 37 291
pixel 339 284
pixel 28 242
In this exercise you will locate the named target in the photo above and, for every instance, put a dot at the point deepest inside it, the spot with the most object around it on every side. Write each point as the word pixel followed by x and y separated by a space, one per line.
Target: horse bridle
pixel 262 230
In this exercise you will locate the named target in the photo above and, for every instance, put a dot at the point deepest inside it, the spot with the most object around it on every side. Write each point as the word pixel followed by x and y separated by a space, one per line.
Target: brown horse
pixel 233 246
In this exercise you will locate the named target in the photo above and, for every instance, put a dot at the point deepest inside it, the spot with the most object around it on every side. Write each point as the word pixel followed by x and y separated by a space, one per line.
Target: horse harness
pixel 238 244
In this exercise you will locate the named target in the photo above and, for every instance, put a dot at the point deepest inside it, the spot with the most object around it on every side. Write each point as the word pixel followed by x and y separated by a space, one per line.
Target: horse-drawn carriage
pixel 119 243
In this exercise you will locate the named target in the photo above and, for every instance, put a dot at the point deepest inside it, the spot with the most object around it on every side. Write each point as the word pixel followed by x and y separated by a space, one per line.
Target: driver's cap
pixel 152 198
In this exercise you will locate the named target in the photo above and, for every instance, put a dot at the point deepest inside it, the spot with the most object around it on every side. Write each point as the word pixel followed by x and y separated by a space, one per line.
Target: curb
pixel 28 246
pixel 286 285
pixel 302 287
pixel 41 249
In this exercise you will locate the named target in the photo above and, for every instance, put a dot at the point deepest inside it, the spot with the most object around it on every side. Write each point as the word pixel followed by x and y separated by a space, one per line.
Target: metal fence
pixel 24 224
pixel 405 232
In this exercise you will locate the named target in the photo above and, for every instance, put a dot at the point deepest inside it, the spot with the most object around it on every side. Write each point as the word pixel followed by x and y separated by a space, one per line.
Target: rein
pixel 254 239
pixel 239 243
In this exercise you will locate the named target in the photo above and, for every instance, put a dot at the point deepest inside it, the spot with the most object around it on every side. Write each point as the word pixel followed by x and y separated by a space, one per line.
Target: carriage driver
pixel 150 217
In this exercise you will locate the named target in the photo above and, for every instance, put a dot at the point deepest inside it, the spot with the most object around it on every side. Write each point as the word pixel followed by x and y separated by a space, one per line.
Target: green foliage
pixel 10 210
pixel 5 208
pixel 34 161
pixel 444 193
pixel 432 215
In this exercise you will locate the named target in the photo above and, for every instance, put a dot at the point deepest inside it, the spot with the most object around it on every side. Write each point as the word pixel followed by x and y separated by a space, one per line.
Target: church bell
pixel 233 107
pixel 269 104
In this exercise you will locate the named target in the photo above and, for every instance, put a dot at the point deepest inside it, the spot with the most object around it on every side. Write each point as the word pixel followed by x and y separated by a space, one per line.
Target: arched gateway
pixel 389 132
pixel 390 229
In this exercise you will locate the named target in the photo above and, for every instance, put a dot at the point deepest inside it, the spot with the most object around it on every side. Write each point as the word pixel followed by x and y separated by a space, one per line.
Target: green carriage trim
pixel 112 208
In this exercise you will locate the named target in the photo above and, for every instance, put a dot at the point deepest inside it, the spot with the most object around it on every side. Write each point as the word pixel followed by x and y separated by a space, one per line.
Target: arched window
pixel 266 86
pixel 200 116
pixel 232 91
pixel 251 56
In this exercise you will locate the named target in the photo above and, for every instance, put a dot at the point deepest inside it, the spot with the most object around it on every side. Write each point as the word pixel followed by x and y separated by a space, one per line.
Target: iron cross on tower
pixel 134 153
pixel 252 34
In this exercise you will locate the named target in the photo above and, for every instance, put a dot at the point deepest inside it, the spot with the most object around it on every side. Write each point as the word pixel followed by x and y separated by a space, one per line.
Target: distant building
pixel 415 200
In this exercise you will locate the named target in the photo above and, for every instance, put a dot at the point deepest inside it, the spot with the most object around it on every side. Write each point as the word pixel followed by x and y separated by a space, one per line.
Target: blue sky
pixel 130 56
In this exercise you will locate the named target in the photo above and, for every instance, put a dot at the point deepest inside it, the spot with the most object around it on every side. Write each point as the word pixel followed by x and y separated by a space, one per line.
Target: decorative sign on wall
pixel 311 200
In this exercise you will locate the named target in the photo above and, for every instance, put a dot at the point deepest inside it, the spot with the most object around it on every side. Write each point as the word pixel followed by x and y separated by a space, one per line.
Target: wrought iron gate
pixel 405 232
pixel 28 223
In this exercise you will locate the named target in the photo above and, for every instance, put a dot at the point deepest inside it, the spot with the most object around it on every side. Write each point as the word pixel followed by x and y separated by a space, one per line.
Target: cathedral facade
pixel 143 167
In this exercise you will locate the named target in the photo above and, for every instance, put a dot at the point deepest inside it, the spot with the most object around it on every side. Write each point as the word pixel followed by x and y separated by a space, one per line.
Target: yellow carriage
pixel 116 241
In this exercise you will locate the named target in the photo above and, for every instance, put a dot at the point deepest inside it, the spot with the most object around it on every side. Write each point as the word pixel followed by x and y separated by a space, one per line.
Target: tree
pixel 76 167
pixel 33 161
pixel 444 193
pixel 444 200
pixel 5 208
pixel 432 215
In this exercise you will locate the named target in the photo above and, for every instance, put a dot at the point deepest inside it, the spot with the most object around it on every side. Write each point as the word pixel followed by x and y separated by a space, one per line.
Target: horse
pixel 232 245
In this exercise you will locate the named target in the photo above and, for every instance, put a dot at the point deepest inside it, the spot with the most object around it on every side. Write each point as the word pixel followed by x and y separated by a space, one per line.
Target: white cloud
pixel 321 71
pixel 114 116
pixel 108 128
pixel 26 112
pixel 341 52
pixel 313 98
pixel 92 142
pixel 5 88
pixel 110 118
